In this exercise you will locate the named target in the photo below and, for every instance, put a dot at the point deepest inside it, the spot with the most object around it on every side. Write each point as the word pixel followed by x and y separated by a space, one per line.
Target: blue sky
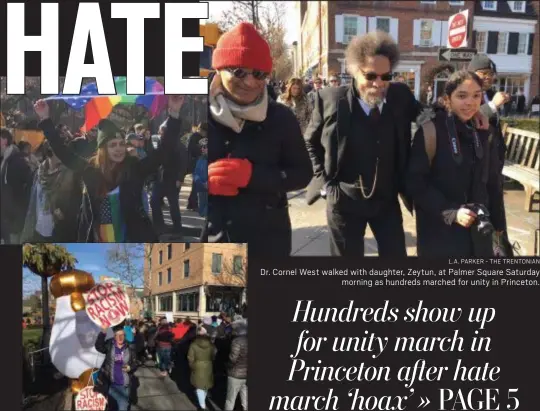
pixel 91 258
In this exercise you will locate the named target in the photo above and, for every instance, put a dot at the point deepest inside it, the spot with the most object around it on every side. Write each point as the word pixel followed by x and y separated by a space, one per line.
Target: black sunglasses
pixel 372 76
pixel 242 74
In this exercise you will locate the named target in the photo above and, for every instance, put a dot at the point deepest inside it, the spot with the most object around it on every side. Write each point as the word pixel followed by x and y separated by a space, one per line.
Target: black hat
pixel 482 62
pixel 107 131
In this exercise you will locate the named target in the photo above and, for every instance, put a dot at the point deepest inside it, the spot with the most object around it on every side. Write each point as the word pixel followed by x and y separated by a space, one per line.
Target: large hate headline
pixel 89 28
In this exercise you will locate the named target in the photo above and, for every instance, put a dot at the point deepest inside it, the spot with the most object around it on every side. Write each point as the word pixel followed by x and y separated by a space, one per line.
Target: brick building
pixel 195 279
pixel 419 27
pixel 505 31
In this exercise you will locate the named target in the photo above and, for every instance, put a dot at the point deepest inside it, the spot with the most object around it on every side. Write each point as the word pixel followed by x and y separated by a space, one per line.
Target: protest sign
pixel 107 305
pixel 89 400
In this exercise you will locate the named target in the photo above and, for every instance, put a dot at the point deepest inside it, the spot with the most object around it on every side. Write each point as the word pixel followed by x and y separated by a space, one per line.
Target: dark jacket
pixel 15 186
pixel 164 337
pixel 200 356
pixel 259 214
pixel 326 137
pixel 105 373
pixel 139 228
pixel 440 190
pixel 175 167
pixel 194 149
pixel 496 128
pixel 238 358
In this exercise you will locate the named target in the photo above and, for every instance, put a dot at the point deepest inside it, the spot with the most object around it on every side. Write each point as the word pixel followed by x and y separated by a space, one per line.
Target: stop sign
pixel 457 30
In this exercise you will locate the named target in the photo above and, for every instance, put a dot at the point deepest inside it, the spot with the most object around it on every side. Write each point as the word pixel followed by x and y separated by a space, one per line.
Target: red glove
pixel 230 171
pixel 217 189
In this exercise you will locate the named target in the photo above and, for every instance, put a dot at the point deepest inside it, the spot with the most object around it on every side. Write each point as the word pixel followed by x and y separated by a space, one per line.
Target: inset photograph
pixel 140 326
pixel 102 169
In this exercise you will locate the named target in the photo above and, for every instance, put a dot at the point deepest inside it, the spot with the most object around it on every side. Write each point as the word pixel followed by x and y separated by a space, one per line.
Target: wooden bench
pixel 522 161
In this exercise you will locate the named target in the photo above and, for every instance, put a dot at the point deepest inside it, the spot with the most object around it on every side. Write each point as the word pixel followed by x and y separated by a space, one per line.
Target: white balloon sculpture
pixel 73 334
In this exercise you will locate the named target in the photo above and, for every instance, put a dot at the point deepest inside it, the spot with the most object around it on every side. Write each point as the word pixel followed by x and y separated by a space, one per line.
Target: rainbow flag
pixel 99 107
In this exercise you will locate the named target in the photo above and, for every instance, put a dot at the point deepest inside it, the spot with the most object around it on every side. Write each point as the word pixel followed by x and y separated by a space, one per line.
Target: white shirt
pixel 365 106
pixel 45 221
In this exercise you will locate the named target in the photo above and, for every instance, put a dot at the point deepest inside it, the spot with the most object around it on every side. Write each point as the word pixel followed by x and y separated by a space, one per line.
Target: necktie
pixel 375 114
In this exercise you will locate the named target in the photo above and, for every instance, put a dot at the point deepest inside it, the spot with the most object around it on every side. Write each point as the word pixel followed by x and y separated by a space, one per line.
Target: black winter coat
pixel 440 190
pixel 259 214
pixel 139 228
pixel 15 187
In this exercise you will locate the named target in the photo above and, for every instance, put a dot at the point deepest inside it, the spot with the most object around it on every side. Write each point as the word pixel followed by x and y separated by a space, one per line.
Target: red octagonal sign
pixel 457 31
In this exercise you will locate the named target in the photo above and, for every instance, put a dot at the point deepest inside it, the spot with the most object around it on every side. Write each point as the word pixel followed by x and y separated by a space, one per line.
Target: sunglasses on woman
pixel 372 76
pixel 241 73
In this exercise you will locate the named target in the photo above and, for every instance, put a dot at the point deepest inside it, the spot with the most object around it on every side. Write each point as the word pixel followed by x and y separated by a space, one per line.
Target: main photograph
pixel 102 169
pixel 326 139
pixel 139 326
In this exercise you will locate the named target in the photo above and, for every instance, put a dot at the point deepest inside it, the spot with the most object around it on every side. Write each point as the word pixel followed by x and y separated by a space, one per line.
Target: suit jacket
pixel 329 129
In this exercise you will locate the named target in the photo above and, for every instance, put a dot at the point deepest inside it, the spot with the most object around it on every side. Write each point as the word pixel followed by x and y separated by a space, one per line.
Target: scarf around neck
pixel 233 115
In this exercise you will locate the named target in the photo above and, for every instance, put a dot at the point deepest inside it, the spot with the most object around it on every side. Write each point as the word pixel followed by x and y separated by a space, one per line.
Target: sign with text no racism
pixel 107 305
pixel 89 400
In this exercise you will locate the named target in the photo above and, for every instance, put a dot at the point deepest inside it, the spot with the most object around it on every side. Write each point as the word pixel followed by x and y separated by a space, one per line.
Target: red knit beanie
pixel 243 47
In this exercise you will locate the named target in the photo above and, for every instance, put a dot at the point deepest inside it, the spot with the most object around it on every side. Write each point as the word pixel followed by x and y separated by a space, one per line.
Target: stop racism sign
pixel 107 305
pixel 89 400
pixel 457 30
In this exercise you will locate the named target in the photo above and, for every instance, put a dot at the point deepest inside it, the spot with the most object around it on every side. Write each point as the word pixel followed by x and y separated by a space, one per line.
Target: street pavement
pixel 311 238
pixel 192 222
pixel 159 393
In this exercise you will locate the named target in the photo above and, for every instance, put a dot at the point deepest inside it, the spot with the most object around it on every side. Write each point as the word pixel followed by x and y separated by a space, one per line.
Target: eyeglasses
pixel 241 73
pixel 372 76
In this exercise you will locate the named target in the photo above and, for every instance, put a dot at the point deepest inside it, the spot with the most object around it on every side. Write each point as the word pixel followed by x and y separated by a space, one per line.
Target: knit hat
pixel 482 62
pixel 107 131
pixel 242 47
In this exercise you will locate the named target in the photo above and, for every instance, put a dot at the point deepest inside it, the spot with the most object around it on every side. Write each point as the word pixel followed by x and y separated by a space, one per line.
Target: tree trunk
pixel 45 337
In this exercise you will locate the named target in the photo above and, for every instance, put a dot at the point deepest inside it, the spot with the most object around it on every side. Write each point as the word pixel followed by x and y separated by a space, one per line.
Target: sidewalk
pixel 310 233
pixel 159 393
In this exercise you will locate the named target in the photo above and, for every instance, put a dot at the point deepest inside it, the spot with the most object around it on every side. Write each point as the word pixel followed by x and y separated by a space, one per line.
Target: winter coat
pixel 238 358
pixel 164 337
pixel 194 149
pixel 15 185
pixel 201 354
pixel 259 214
pixel 138 225
pixel 440 189
pixel 105 375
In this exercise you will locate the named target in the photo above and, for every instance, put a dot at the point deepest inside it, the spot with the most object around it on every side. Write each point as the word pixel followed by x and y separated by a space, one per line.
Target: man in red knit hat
pixel 256 152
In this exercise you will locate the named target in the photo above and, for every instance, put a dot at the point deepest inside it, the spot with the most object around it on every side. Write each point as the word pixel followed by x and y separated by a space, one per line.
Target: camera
pixel 482 223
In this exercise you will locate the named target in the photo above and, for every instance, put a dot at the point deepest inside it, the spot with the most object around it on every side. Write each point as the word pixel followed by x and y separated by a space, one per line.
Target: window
pixel 457 3
pixel 169 251
pixel 169 275
pixel 206 58
pixel 517 6
pixel 481 41
pixel 383 24
pixel 160 257
pixel 350 28
pixel 407 77
pixel 186 268
pixel 502 44
pixel 187 246
pixel 160 278
pixel 426 31
pixel 428 2
pixel 219 301
pixel 489 5
pixel 165 303
pixel 509 84
pixel 216 263
pixel 150 262
pixel 238 264
pixel 522 43
pixel 187 302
